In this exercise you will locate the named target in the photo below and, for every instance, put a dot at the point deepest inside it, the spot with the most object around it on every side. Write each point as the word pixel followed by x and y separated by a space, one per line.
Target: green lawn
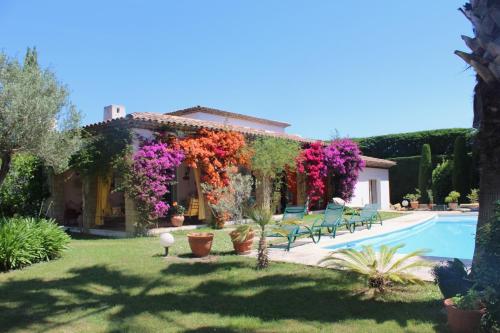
pixel 117 285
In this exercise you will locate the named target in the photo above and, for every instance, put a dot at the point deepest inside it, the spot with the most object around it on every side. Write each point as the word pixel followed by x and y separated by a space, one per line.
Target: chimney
pixel 113 112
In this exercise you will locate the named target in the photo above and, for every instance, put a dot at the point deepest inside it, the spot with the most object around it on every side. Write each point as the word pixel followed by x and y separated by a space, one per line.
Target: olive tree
pixel 269 159
pixel 36 115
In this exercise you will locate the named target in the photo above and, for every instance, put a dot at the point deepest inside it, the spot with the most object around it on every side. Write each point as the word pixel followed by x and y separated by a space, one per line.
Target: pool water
pixel 444 236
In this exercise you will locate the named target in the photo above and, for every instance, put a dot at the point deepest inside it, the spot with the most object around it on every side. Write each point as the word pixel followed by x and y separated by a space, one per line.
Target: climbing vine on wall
pixel 343 160
pixel 213 152
pixel 153 169
pixel 311 162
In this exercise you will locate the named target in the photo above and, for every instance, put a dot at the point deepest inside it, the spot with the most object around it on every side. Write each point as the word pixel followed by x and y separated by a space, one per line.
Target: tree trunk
pixel 264 188
pixel 6 159
pixel 487 116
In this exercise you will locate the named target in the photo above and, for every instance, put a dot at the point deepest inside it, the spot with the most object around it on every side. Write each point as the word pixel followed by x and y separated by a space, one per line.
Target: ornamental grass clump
pixel 25 241
pixel 380 269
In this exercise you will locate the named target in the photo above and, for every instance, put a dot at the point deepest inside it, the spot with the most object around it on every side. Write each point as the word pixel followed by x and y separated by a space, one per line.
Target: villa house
pixel 83 201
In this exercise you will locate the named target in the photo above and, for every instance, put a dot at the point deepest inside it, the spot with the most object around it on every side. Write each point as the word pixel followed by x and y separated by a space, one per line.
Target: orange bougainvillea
pixel 213 152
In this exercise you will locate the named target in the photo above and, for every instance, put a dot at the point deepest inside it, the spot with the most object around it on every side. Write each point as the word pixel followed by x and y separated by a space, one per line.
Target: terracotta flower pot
pixel 414 204
pixel 219 222
pixel 453 205
pixel 177 220
pixel 462 321
pixel 244 247
pixel 200 243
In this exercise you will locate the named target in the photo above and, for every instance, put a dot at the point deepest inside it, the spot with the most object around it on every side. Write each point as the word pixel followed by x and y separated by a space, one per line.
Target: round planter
pixel 414 204
pixel 200 243
pixel 219 222
pixel 453 205
pixel 177 220
pixel 245 246
pixel 462 321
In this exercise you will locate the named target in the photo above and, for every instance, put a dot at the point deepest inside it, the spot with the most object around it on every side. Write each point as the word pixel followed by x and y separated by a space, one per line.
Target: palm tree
pixel 262 217
pixel 485 59
pixel 379 268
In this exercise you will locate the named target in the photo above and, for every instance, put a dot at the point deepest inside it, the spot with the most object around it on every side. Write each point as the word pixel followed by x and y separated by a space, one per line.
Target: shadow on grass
pixel 264 295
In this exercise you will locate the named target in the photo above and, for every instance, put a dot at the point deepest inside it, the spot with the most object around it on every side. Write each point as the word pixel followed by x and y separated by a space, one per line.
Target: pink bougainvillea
pixel 311 162
pixel 153 170
pixel 343 159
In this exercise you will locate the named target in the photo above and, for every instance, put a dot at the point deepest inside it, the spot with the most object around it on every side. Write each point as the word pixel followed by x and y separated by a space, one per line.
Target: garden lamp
pixel 166 240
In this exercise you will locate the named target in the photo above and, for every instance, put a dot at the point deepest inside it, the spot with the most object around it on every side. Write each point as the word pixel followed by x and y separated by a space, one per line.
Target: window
pixel 117 110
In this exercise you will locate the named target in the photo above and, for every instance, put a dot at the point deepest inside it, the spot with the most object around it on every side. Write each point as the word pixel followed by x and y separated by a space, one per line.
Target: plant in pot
pixel 242 238
pixel 413 198
pixel 464 312
pixel 473 197
pixel 200 243
pixel 177 217
pixel 452 200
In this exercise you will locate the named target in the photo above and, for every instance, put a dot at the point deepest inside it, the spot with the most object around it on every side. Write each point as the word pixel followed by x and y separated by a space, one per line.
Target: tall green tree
pixel 485 60
pixel 441 181
pixel 460 175
pixel 269 159
pixel 36 115
pixel 425 172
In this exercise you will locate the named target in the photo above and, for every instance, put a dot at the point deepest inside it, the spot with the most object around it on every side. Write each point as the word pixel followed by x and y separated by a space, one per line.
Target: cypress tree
pixel 425 172
pixel 460 176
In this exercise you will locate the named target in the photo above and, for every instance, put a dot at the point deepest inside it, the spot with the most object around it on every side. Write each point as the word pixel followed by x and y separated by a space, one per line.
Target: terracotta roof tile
pixel 142 119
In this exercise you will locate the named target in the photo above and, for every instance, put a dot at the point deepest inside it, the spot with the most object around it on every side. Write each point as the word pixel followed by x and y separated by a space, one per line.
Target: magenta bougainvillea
pixel 153 170
pixel 311 161
pixel 343 159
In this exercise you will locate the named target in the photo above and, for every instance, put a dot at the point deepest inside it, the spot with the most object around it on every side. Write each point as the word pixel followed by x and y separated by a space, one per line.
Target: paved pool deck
pixel 305 252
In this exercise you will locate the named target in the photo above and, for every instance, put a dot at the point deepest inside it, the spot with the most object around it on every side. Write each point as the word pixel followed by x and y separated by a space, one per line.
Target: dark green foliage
pixel 441 181
pixel 409 144
pixel 101 151
pixel 487 273
pixel 461 174
pixel 25 241
pixel 25 188
pixel 425 172
pixel 452 278
pixel 404 175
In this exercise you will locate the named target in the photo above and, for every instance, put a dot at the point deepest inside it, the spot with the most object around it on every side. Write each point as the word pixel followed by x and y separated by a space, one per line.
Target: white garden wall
pixel 380 188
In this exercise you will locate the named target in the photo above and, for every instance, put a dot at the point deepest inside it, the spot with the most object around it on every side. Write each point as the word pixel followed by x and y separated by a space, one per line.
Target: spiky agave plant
pixel 380 268
pixel 262 217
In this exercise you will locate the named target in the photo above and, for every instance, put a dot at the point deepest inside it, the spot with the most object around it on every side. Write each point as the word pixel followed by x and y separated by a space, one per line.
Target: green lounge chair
pixel 367 215
pixel 331 220
pixel 289 227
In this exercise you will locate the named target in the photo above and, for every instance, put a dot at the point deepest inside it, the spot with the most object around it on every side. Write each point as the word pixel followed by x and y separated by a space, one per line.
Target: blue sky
pixel 359 67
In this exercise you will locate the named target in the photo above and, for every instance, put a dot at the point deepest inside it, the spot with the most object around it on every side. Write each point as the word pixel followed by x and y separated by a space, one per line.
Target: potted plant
pixel 242 238
pixel 177 218
pixel 473 197
pixel 414 197
pixel 452 278
pixel 464 312
pixel 452 200
pixel 200 243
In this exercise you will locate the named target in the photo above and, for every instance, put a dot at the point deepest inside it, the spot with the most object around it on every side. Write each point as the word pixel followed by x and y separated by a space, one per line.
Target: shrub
pixel 425 172
pixel 25 188
pixel 452 197
pixel 460 174
pixel 380 269
pixel 441 181
pixel 473 196
pixel 471 300
pixel 413 196
pixel 452 278
pixel 25 241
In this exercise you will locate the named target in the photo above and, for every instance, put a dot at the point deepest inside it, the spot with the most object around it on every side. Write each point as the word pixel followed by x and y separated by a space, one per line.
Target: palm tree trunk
pixel 487 116
pixel 263 254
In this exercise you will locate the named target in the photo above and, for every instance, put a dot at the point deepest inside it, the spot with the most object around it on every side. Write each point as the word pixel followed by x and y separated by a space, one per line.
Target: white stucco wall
pixel 362 192
pixel 234 121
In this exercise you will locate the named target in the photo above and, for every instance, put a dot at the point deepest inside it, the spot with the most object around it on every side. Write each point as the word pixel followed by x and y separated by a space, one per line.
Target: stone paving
pixel 304 251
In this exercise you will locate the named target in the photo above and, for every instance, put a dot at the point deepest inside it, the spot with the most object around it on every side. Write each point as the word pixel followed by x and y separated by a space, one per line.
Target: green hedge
pixel 403 177
pixel 410 144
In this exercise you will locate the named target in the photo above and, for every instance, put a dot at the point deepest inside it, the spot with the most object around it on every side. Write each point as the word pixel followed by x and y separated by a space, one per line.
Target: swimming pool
pixel 444 236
